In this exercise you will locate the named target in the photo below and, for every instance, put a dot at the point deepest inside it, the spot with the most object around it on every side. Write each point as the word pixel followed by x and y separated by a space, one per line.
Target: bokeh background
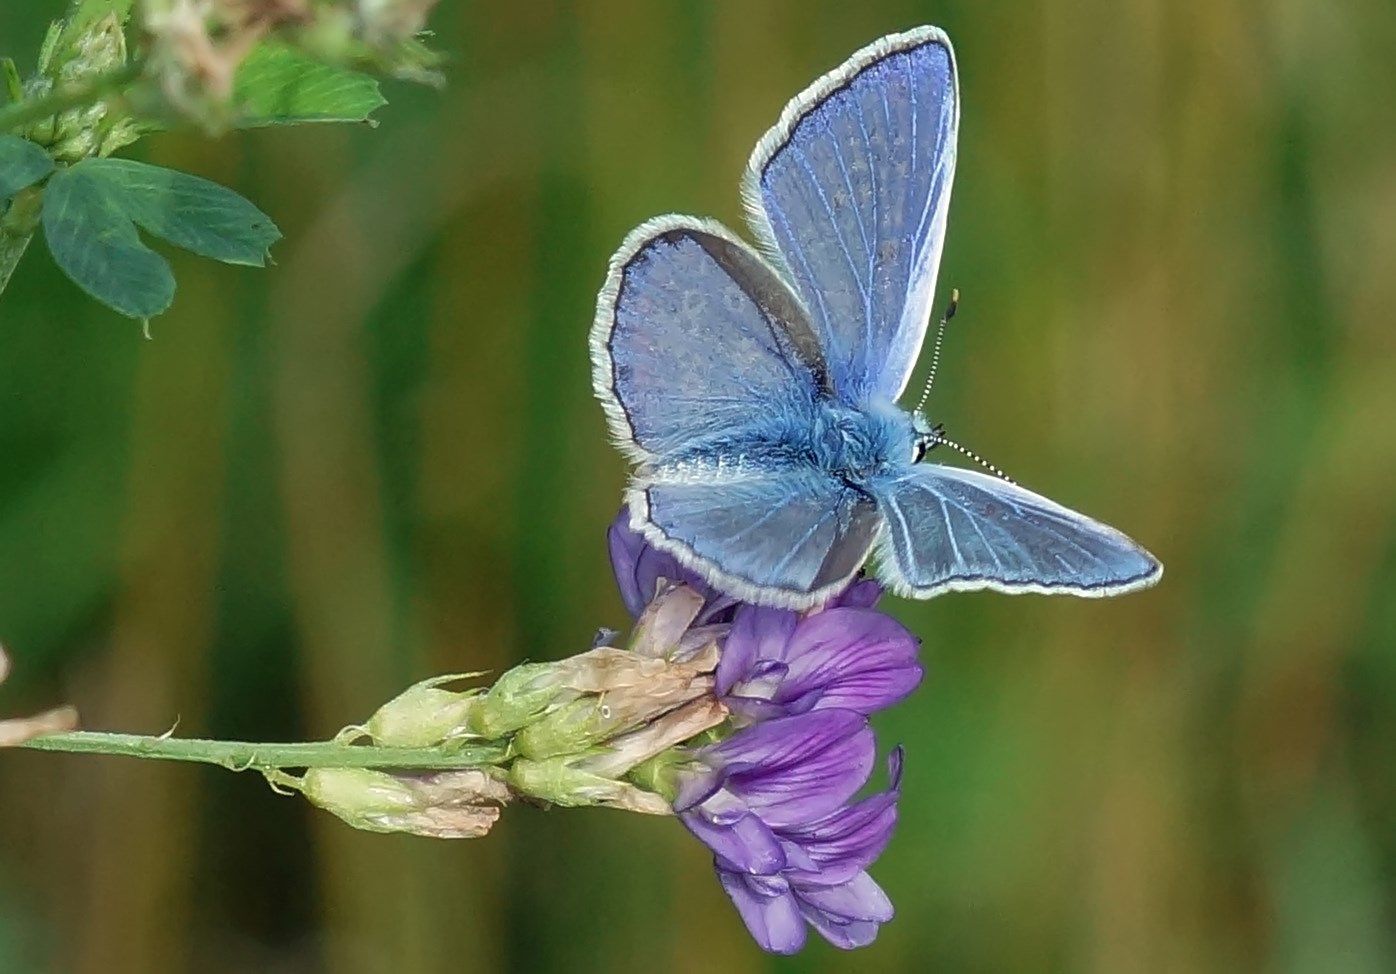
pixel 1174 230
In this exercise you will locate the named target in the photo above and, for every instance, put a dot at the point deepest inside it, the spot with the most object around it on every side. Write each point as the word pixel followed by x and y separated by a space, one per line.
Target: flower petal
pixel 769 910
pixel 758 634
pixel 744 845
pixel 852 658
pixel 697 784
pixel 784 742
pixel 862 594
pixel 858 899
pixel 626 546
pixel 843 934
pixel 812 788
pixel 840 845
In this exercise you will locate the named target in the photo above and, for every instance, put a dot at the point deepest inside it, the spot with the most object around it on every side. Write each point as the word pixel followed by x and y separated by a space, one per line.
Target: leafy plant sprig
pixel 115 71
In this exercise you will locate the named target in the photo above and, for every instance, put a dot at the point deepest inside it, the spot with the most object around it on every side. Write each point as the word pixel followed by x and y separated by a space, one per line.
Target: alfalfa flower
pixel 773 804
pixel 774 799
pixel 824 882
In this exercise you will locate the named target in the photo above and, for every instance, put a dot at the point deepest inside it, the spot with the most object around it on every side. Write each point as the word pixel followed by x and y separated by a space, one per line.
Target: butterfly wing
pixel 955 530
pixel 771 534
pixel 696 335
pixel 848 194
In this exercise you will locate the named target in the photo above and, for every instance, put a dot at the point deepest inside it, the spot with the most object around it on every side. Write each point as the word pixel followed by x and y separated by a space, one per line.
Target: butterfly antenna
pixel 935 349
pixel 939 438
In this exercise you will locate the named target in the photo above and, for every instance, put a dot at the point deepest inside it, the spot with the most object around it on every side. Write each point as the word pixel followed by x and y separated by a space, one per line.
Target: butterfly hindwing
pixel 849 193
pixel 950 529
pixel 775 535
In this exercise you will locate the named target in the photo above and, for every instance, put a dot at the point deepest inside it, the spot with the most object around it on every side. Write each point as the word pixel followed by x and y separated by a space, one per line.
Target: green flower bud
pixel 71 58
pixel 623 752
pixel 424 715
pixel 555 781
pixel 659 774
pixel 449 805
pixel 517 698
pixel 570 729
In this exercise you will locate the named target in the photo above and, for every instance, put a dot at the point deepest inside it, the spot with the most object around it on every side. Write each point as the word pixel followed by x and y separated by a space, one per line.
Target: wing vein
pixel 838 235
pixel 794 245
pixel 998 563
pixel 950 532
pixel 857 212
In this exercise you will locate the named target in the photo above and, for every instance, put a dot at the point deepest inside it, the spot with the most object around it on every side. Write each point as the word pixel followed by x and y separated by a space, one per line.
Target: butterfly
pixel 756 388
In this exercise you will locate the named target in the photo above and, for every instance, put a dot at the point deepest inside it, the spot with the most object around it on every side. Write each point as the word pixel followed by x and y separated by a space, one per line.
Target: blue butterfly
pixel 756 390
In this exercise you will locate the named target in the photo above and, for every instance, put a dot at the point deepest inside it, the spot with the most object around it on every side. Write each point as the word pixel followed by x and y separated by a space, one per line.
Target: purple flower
pixel 774 799
pixel 775 662
pixel 825 882
pixel 771 804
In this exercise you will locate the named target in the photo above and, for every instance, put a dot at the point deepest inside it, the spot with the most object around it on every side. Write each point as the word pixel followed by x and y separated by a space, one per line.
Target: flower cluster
pixel 774 800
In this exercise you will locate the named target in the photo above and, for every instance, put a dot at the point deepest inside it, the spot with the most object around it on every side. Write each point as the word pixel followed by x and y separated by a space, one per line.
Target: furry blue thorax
pixel 849 444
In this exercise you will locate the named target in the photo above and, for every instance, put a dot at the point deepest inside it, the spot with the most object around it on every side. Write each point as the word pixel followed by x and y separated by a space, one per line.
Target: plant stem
pixel 245 756
pixel 59 100
pixel 17 229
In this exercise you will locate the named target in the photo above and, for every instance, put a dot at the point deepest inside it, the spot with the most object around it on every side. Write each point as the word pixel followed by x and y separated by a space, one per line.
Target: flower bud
pixel 570 729
pixel 71 58
pixel 460 804
pixel 520 696
pixel 622 690
pixel 555 781
pixel 621 754
pixel 424 715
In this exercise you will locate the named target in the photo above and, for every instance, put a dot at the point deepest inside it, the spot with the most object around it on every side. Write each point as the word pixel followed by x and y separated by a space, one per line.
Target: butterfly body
pixel 756 389
pixel 843 443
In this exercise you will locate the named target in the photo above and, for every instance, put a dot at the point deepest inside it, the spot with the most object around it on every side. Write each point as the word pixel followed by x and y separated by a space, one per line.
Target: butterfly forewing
pixel 696 335
pixel 849 193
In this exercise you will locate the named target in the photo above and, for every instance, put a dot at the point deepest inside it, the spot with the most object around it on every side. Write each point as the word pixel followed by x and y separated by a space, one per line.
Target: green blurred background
pixel 1174 231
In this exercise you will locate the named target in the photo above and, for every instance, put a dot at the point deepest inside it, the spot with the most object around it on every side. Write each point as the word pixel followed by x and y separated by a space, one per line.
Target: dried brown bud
pixel 661 627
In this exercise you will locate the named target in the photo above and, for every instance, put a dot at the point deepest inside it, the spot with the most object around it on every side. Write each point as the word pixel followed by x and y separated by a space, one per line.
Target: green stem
pixel 59 100
pixel 17 229
pixel 245 756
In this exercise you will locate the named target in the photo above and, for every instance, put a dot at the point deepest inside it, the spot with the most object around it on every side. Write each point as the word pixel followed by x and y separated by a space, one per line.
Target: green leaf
pixel 96 244
pixel 91 212
pixel 22 163
pixel 14 88
pixel 277 85
pixel 196 214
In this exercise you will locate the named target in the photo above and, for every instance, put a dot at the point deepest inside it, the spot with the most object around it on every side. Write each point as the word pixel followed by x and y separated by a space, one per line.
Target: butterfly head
pixel 924 436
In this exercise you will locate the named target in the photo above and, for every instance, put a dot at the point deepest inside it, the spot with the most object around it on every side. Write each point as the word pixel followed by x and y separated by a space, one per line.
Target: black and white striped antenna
pixel 935 349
